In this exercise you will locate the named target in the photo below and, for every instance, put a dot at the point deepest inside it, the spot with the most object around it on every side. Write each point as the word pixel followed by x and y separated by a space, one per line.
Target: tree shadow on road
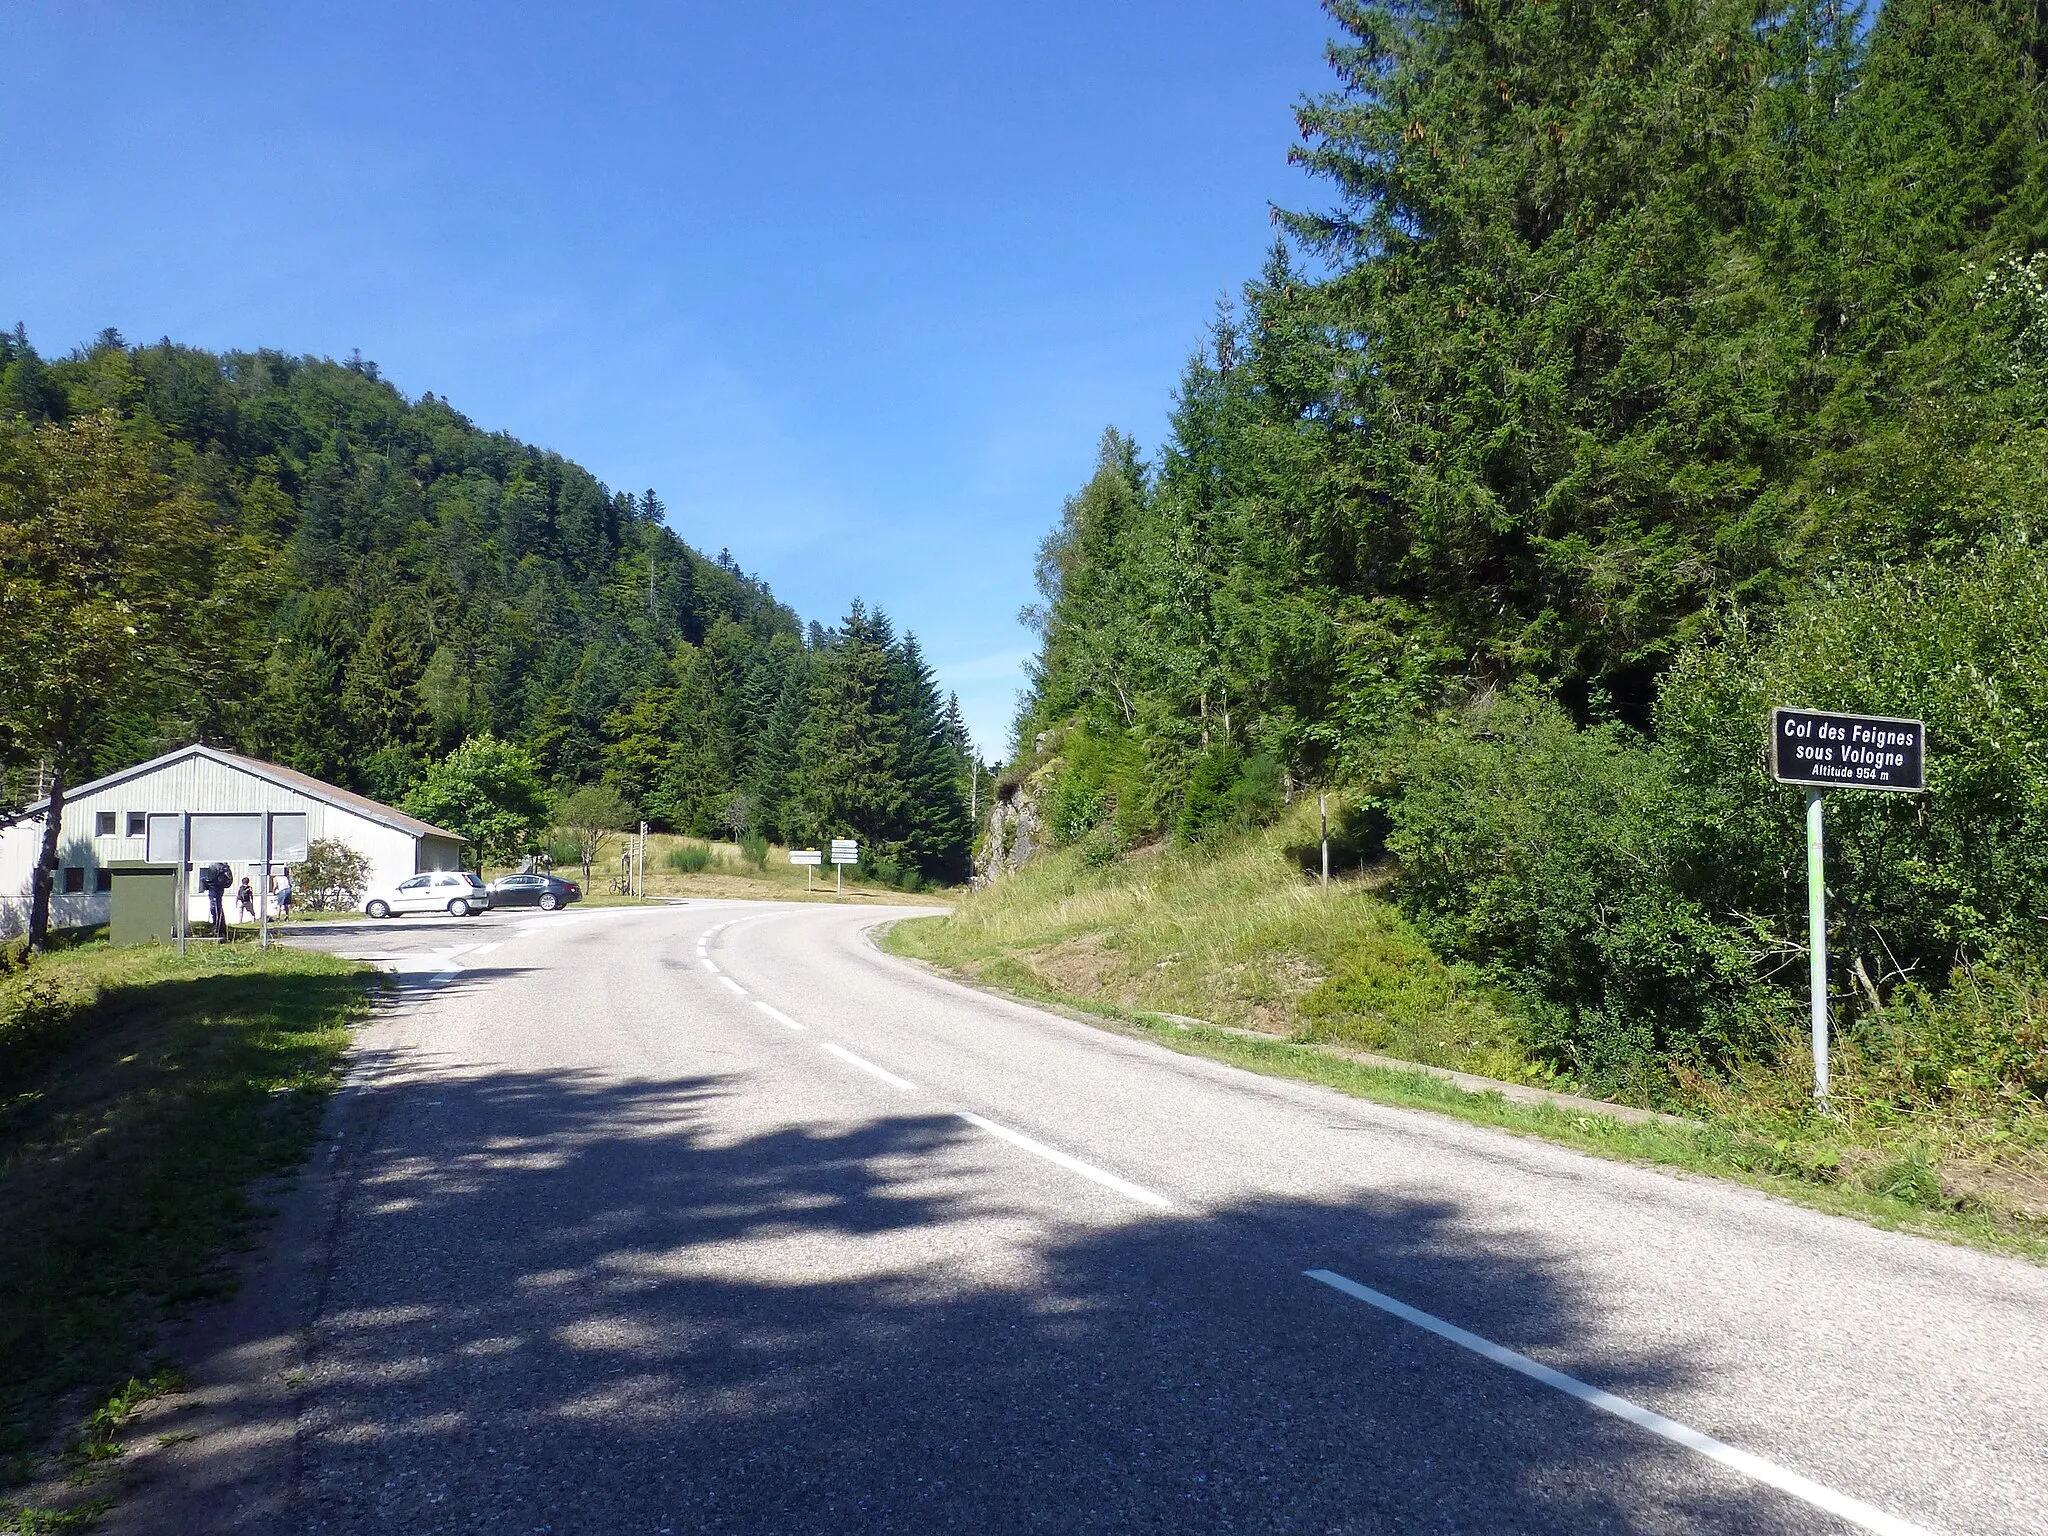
pixel 566 1304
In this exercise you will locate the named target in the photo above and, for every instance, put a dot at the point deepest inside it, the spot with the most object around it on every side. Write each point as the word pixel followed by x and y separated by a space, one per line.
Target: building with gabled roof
pixel 104 823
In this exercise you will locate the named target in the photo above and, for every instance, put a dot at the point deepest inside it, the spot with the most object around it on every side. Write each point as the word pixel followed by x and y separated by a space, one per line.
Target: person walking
pixel 281 888
pixel 215 880
pixel 245 901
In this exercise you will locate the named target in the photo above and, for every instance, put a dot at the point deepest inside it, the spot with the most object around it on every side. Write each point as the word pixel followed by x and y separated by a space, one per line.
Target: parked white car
pixel 456 892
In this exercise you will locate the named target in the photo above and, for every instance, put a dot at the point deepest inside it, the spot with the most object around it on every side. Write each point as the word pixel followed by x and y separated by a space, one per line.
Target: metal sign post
pixel 1323 810
pixel 263 892
pixel 1821 752
pixel 845 851
pixel 184 912
pixel 810 858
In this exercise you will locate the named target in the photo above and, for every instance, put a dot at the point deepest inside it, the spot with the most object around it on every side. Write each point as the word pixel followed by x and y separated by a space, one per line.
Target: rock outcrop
pixel 1014 831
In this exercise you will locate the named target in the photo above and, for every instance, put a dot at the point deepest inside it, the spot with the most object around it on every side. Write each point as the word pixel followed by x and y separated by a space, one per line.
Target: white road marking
pixel 485 949
pixel 1855 1511
pixel 777 1015
pixel 733 984
pixel 1101 1176
pixel 868 1066
pixel 711 968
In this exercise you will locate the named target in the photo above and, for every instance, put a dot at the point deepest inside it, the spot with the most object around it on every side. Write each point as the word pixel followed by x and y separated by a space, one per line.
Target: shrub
pixel 1917 884
pixel 332 878
pixel 690 858
pixel 1543 852
pixel 754 849
pixel 1647 900
pixel 1228 792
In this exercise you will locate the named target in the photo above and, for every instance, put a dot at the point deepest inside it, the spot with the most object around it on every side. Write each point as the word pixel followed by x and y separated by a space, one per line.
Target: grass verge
pixel 1237 934
pixel 140 1097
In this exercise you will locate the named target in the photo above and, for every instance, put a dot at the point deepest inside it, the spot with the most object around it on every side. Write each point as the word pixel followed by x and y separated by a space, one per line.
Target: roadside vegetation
pixel 141 1095
pixel 1194 945
pixel 1646 368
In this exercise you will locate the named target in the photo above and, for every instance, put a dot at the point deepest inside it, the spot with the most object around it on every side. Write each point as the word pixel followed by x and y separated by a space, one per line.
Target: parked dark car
pixel 544 891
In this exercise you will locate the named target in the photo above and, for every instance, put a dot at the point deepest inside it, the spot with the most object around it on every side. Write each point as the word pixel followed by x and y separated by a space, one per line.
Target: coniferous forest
pixel 378 581
pixel 1643 367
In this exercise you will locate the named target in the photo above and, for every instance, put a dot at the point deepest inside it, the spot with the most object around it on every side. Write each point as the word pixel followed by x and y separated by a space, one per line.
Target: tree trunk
pixel 45 877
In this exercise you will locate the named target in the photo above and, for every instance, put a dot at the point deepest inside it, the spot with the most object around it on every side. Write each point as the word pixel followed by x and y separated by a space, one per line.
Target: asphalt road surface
pixel 713 1218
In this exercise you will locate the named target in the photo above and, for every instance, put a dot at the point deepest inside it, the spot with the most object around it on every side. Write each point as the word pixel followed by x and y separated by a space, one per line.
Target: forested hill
pixel 1646 366
pixel 408 581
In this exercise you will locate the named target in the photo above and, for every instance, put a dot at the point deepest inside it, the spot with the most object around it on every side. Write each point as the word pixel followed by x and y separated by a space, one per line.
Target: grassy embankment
pixel 722 870
pixel 1237 934
pixel 140 1097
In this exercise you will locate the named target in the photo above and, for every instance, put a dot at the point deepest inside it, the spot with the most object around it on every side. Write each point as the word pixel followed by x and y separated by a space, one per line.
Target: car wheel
pixel 548 902
pixel 458 908
pixel 377 909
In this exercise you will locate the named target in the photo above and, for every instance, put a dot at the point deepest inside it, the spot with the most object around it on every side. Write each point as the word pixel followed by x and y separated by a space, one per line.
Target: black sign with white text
pixel 1847 751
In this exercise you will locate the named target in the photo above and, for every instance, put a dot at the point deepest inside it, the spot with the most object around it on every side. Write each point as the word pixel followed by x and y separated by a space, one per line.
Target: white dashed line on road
pixel 1060 1159
pixel 777 1015
pixel 1855 1511
pixel 735 986
pixel 868 1066
pixel 711 968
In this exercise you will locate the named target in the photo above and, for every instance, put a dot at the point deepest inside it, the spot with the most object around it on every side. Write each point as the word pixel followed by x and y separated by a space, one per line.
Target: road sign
pixel 845 851
pixel 1826 751
pixel 230 836
pixel 805 856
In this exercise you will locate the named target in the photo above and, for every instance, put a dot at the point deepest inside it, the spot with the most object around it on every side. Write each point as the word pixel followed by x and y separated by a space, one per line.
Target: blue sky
pixel 854 288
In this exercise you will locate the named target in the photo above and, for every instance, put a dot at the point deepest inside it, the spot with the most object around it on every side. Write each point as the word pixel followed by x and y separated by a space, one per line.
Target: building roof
pixel 273 773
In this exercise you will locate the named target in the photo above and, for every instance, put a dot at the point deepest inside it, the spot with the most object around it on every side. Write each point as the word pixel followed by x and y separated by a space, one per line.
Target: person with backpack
pixel 245 901
pixel 215 879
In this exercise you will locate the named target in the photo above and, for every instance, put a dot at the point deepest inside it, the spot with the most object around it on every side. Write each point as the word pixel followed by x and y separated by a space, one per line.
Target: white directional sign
pixel 845 851
pixel 805 856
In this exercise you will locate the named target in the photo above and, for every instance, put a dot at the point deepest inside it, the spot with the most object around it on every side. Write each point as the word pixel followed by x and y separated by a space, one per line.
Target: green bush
pixel 690 858
pixel 1543 852
pixel 884 870
pixel 1647 899
pixel 754 849
pixel 1917 884
pixel 1228 792
pixel 36 1003
pixel 1984 1037
pixel 332 878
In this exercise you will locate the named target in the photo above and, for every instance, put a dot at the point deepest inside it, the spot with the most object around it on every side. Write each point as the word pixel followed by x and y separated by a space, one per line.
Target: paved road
pixel 713 1218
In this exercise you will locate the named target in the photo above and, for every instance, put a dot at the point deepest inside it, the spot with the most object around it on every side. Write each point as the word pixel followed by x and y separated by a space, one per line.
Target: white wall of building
pixel 196 783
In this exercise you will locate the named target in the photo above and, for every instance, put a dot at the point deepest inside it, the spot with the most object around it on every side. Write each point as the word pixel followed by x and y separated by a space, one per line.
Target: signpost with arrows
pixel 809 858
pixel 845 851
pixel 1820 752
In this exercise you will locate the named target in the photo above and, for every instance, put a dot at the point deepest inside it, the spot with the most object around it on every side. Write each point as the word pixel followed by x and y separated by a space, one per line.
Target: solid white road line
pixel 1101 1176
pixel 777 1015
pixel 868 1066
pixel 1855 1511
pixel 735 986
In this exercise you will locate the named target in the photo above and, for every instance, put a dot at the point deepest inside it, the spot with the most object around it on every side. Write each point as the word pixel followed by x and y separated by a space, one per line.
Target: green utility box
pixel 145 902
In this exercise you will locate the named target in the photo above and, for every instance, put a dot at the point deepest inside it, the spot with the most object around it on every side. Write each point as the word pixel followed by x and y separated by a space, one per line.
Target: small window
pixel 103 824
pixel 138 823
pixel 103 880
pixel 74 880
pixel 413 884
